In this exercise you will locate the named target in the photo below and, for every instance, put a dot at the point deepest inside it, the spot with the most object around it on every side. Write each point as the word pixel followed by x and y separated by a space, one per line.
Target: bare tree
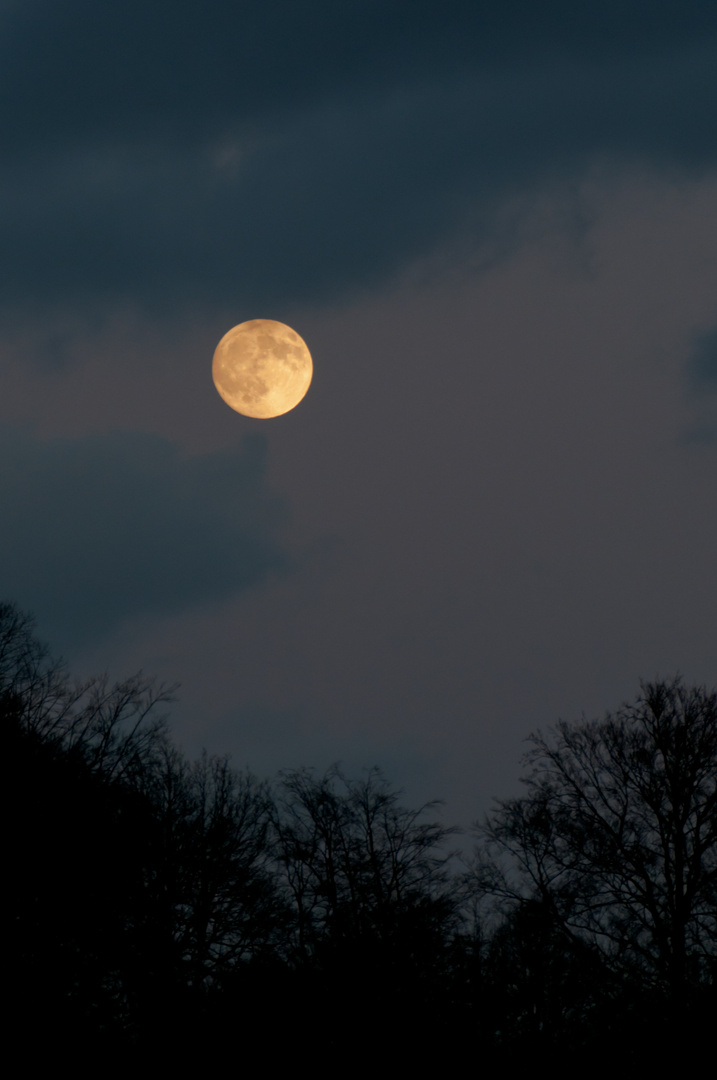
pixel 355 862
pixel 38 685
pixel 216 872
pixel 617 835
pixel 137 879
pixel 114 726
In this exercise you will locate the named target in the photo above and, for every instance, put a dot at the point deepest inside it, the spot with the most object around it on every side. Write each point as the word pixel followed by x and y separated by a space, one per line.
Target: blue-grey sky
pixel 496 228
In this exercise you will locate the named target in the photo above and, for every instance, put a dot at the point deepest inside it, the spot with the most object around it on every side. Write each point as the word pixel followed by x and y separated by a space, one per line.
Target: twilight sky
pixel 495 226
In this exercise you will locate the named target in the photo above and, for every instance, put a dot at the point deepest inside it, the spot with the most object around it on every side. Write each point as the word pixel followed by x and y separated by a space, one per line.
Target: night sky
pixel 495 226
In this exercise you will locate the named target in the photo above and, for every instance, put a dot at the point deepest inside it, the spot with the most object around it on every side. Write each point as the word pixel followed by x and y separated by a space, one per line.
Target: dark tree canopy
pixel 157 899
pixel 162 904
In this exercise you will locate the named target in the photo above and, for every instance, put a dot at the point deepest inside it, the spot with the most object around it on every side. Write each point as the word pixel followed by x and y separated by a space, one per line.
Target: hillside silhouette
pixel 166 907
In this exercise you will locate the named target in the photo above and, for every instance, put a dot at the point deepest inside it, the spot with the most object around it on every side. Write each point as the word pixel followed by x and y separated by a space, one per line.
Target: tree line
pixel 165 905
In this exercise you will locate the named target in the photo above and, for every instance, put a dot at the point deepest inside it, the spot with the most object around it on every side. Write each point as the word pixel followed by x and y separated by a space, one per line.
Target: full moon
pixel 262 368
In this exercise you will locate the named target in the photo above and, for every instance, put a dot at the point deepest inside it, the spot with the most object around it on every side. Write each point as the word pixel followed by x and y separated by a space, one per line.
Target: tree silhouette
pixel 90 951
pixel 355 863
pixel 617 840
pixel 375 910
pixel 79 857
pixel 153 899
pixel 216 872
pixel 114 727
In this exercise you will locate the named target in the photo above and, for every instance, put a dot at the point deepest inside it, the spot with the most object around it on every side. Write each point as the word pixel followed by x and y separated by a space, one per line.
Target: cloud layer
pixel 265 153
pixel 108 527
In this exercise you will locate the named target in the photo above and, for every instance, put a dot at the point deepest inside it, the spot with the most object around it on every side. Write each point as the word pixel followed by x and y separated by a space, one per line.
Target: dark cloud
pixel 701 379
pixel 257 153
pixel 172 66
pixel 108 527
pixel 702 365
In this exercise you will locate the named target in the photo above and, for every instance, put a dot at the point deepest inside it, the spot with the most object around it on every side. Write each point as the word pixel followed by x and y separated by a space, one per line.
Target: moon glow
pixel 262 368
